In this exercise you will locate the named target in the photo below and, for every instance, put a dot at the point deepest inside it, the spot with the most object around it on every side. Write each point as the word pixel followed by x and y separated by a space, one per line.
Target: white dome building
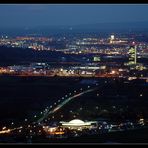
pixel 76 123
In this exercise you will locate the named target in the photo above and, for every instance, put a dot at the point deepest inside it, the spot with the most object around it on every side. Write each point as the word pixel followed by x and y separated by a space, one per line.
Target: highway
pixel 46 114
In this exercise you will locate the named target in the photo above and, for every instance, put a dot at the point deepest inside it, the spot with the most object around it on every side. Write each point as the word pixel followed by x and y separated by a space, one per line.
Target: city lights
pixel 70 83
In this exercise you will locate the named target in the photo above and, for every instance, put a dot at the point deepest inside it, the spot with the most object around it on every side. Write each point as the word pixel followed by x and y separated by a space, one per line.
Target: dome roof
pixel 76 121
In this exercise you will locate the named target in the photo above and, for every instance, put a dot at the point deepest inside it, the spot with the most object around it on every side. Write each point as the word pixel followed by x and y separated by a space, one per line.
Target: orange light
pixel 113 72
pixel 59 133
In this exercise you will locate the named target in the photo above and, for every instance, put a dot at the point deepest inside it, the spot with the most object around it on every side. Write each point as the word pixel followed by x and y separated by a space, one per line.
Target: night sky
pixel 26 15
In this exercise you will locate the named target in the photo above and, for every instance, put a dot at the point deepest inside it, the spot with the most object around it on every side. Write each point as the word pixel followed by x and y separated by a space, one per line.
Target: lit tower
pixel 133 54
pixel 112 37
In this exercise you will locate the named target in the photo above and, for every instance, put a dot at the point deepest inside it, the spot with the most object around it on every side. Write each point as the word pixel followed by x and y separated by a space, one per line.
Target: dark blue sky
pixel 70 14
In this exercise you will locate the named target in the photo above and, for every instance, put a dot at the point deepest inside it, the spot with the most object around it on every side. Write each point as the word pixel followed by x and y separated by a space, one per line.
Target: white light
pixel 112 37
pixel 133 43
pixel 113 72
pixel 141 95
pixel 4 127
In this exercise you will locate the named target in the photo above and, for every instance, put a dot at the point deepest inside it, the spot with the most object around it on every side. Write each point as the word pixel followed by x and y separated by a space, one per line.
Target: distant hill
pixel 133 26
pixel 10 56
pixel 94 27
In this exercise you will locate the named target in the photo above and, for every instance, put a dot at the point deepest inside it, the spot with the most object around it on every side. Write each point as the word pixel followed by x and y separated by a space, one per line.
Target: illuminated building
pixel 96 59
pixel 79 124
pixel 53 131
pixel 132 55
pixel 112 37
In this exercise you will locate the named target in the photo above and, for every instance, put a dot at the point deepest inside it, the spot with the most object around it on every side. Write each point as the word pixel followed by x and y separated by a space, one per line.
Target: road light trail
pixel 63 103
pixel 9 130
